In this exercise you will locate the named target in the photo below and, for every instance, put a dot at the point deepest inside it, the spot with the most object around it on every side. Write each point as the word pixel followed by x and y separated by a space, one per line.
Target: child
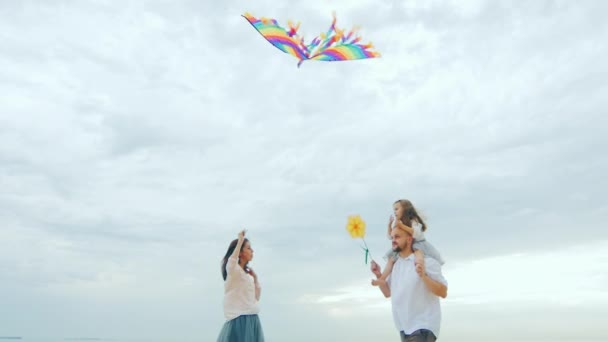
pixel 408 220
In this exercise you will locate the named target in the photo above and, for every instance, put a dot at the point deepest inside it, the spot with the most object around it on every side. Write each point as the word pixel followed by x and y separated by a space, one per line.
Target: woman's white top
pixel 239 292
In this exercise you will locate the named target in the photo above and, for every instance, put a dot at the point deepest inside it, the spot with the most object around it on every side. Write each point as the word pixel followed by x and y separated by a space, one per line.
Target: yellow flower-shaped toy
pixel 356 228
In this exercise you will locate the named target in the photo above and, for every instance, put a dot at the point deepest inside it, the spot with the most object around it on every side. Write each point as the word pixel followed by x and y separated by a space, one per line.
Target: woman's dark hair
pixel 229 252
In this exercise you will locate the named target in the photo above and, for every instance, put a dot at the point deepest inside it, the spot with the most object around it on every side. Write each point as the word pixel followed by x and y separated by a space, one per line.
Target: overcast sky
pixel 138 137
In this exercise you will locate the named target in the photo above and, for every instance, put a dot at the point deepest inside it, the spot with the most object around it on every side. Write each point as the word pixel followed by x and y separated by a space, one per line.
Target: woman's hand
pixel 258 289
pixel 252 273
pixel 242 234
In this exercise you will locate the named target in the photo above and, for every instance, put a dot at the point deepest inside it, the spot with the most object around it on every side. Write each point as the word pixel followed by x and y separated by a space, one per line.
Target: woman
pixel 241 295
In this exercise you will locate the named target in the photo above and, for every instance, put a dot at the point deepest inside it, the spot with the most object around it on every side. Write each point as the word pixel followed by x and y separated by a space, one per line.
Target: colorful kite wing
pixel 286 41
pixel 344 52
pixel 334 45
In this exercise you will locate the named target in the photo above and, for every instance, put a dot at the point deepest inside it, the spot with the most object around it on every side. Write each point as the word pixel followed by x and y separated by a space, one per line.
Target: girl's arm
pixel 402 226
pixel 436 287
pixel 390 228
pixel 387 269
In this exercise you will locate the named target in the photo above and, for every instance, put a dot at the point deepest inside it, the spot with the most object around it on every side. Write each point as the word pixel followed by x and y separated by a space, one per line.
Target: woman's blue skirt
pixel 245 328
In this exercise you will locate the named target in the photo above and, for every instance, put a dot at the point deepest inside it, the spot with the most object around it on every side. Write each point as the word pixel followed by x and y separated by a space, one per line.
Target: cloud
pixel 136 140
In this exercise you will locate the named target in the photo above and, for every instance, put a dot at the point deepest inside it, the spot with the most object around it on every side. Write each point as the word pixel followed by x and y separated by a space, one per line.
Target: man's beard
pixel 399 249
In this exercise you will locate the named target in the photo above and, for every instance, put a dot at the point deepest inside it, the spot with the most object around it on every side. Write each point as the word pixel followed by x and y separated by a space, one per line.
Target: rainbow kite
pixel 334 45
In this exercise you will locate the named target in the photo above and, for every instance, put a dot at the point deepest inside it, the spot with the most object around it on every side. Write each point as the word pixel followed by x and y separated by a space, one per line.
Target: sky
pixel 137 138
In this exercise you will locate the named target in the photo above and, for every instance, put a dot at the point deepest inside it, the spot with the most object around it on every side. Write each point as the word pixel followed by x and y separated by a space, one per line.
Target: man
pixel 414 290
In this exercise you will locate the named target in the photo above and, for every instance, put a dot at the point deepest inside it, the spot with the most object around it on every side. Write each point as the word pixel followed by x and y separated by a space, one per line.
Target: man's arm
pixel 377 271
pixel 438 288
pixel 386 291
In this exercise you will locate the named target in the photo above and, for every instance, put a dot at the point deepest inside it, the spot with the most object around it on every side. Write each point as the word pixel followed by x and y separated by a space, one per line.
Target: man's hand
pixel 375 268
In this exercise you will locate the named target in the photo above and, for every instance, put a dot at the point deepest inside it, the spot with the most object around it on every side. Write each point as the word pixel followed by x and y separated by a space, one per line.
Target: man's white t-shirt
pixel 414 305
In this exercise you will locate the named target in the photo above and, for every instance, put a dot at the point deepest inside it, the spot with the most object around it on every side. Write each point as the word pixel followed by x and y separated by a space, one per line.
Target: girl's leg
pixel 387 270
pixel 419 255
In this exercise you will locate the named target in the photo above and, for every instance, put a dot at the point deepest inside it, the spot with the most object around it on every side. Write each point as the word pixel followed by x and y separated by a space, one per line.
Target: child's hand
pixel 390 221
pixel 420 270
pixel 401 225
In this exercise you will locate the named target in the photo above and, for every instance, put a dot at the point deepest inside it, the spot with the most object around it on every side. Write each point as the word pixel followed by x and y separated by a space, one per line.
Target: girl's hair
pixel 229 252
pixel 410 214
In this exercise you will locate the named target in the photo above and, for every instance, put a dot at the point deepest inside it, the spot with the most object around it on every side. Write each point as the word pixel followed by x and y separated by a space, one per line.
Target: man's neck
pixel 405 253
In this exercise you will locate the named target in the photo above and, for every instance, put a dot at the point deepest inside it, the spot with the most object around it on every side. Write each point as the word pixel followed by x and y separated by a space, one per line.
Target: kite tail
pixel 333 23
pixel 293 29
pixel 304 47
pixel 332 29
pixel 313 45
pixel 325 39
pixel 350 34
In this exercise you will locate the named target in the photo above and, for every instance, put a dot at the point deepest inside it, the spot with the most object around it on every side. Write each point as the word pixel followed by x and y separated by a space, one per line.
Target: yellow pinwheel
pixel 355 226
